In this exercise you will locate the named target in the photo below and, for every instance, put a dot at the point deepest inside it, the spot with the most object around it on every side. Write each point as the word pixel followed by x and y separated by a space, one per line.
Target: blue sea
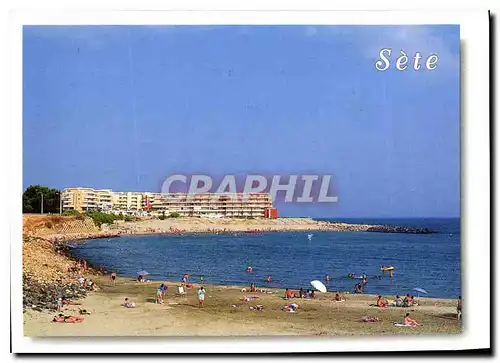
pixel 428 261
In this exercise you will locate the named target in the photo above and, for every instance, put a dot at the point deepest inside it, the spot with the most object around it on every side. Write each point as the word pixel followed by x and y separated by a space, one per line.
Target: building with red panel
pixel 271 213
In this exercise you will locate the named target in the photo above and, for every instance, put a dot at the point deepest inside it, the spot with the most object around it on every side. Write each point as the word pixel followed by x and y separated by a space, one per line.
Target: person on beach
pixel 159 293
pixel 302 294
pixel 59 304
pixel 202 277
pixel 339 297
pixel 413 301
pixel 81 280
pixel 358 289
pixel 252 287
pixel 398 301
pixel 459 308
pixel 201 296
pixel 163 289
pixel 128 304
pixel 409 321
pixel 289 294
pixel 113 278
pixel 382 303
pixel 407 301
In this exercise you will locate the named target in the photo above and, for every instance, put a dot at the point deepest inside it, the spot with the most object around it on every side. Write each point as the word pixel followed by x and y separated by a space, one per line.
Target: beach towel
pixel 401 324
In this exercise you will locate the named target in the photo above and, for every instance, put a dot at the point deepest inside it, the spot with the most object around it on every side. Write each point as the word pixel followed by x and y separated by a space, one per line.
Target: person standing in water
pixel 269 279
pixel 327 278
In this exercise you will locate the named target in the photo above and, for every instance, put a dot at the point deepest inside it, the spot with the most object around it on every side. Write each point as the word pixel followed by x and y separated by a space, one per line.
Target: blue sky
pixel 123 107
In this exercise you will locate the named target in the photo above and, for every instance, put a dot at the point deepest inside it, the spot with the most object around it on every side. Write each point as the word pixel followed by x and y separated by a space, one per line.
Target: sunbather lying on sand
pixel 369 319
pixel 258 307
pixel 290 307
pixel 128 304
pixel 67 319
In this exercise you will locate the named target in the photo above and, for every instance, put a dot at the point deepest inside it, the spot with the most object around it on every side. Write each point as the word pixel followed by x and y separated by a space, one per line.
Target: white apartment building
pixel 210 205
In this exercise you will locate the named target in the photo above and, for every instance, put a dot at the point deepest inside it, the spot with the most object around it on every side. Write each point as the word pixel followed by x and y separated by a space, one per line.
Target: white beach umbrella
pixel 318 285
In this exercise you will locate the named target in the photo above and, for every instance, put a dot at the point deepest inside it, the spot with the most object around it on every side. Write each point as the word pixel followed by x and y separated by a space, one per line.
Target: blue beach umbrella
pixel 142 273
pixel 419 290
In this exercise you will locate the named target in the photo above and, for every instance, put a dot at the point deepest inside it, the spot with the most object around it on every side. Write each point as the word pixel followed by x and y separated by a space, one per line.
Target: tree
pixel 32 199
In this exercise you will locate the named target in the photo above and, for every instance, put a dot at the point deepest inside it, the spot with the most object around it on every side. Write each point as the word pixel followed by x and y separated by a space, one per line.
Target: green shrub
pixel 162 217
pixel 128 219
pixel 99 218
pixel 70 212
pixel 174 215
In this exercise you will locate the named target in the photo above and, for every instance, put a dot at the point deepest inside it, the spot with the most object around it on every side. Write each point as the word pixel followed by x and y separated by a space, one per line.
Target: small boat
pixel 387 268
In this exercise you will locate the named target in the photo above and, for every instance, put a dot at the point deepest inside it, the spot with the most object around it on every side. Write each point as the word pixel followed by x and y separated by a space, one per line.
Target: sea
pixel 293 259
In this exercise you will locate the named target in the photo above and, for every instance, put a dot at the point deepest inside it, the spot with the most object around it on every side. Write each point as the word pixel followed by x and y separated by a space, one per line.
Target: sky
pixel 123 107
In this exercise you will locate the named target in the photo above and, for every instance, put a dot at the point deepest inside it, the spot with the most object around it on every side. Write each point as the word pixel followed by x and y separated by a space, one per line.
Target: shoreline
pixel 65 228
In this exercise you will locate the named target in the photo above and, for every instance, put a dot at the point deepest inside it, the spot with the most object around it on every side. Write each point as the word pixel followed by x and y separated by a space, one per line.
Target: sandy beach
pixel 181 316
pixel 225 312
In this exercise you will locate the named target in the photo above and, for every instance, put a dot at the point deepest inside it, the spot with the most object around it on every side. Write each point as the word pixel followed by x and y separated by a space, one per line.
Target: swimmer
pixel 269 279
pixel 249 269
pixel 327 278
